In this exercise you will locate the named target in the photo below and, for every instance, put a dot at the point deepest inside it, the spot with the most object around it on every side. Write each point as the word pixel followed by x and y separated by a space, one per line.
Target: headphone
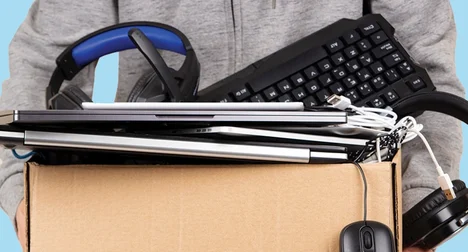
pixel 164 84
pixel 435 219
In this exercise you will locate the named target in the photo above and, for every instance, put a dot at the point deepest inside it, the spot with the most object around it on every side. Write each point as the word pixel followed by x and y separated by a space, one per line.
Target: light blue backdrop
pixel 13 13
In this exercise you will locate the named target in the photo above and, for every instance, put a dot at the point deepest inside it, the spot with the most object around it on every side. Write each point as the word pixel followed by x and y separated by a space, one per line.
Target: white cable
pixel 386 119
pixel 379 157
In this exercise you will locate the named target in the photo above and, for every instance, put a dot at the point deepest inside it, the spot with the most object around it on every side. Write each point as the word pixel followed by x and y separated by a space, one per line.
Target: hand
pixel 21 224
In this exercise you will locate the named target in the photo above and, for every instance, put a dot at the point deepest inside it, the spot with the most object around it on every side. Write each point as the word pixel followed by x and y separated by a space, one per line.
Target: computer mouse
pixel 367 236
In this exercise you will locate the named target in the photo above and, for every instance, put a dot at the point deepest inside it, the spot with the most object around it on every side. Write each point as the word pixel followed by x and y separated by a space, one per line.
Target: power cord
pixel 386 120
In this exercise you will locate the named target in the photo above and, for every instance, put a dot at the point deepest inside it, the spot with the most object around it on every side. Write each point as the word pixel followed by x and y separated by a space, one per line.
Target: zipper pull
pixel 273 2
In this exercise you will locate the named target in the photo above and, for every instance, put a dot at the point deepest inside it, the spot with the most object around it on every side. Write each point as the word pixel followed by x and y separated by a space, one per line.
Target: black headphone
pixel 435 219
pixel 164 84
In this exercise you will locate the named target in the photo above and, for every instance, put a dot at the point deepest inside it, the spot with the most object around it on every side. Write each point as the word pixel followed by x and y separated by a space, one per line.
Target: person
pixel 227 36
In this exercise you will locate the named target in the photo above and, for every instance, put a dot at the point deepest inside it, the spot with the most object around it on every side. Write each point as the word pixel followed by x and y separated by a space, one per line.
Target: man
pixel 227 36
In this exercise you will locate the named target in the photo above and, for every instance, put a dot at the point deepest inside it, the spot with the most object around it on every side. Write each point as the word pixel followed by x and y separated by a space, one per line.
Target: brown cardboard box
pixel 205 208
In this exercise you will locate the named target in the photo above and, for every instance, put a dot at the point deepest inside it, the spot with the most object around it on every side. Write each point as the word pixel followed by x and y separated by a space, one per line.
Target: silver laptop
pixel 179 146
pixel 57 117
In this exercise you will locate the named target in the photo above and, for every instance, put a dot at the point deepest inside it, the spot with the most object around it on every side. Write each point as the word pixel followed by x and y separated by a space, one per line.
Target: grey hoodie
pixel 227 36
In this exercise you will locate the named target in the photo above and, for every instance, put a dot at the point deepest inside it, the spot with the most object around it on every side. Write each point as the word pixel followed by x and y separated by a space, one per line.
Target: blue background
pixel 11 18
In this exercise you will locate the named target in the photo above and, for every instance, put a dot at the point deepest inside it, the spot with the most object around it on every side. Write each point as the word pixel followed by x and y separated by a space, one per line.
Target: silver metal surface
pixel 12 135
pixel 240 131
pixel 164 146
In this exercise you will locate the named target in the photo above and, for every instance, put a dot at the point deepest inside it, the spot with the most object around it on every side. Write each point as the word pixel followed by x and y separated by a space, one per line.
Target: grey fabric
pixel 227 36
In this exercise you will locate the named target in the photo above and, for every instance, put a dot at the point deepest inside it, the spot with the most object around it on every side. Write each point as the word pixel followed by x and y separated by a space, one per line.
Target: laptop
pixel 57 117
pixel 170 145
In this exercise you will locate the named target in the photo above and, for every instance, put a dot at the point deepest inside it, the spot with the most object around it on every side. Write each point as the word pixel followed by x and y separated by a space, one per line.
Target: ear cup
pixel 432 201
pixel 148 89
pixel 72 98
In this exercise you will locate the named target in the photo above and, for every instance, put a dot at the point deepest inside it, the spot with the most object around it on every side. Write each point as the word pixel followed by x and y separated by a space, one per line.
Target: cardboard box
pixel 205 207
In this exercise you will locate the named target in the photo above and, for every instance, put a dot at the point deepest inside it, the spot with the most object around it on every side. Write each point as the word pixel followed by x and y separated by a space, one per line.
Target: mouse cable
pixel 387 119
pixel 364 180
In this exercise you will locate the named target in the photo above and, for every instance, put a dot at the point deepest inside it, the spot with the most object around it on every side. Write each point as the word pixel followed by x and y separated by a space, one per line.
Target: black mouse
pixel 367 236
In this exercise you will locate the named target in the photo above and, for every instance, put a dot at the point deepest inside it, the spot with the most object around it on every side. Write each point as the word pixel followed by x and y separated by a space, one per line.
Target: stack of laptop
pixel 245 132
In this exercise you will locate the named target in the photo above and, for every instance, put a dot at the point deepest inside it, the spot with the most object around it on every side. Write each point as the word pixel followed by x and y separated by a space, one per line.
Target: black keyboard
pixel 360 59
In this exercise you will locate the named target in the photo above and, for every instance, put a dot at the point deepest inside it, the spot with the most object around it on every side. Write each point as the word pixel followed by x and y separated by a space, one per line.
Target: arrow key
pixel 405 68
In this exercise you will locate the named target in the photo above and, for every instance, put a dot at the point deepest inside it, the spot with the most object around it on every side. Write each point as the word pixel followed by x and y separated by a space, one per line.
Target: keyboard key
pixel 324 65
pixel 312 87
pixel 350 81
pixel 334 46
pixel 363 75
pixel 393 59
pixel 364 45
pixel 365 89
pixel 351 52
pixel 339 73
pixel 299 93
pixel 377 68
pixel 338 59
pixel 392 75
pixel 415 83
pixel 241 94
pixel 311 72
pixel 383 50
pixel 226 99
pixel 405 68
pixel 298 79
pixel 368 29
pixel 352 66
pixel 270 93
pixel 337 88
pixel 285 98
pixel 353 96
pixel 378 82
pixel 323 95
pixel 351 37
pixel 378 102
pixel 284 86
pixel 310 102
pixel 366 59
pixel 325 79
pixel 390 96
pixel 257 98
pixel 379 37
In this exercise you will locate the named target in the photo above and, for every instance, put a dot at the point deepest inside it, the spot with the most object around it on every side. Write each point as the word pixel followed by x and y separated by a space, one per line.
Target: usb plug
pixel 447 186
pixel 339 102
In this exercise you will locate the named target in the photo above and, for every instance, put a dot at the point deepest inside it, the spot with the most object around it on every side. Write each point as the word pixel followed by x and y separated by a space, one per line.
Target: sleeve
pixel 427 29
pixel 49 27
